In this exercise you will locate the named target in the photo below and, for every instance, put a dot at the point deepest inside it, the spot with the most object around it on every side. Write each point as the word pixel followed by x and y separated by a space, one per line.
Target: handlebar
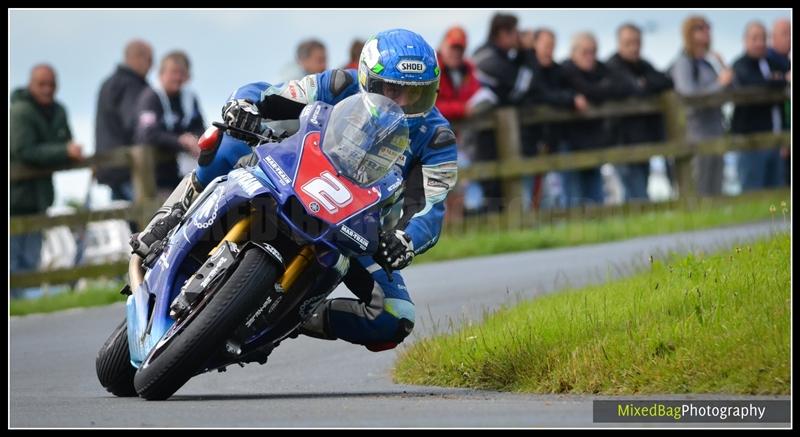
pixel 261 138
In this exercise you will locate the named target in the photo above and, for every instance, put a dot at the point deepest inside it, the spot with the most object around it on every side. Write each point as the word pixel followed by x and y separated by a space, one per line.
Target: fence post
pixel 675 127
pixel 509 149
pixel 143 176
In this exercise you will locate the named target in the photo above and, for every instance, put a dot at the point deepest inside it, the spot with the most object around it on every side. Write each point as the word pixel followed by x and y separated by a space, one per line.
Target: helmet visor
pixel 416 98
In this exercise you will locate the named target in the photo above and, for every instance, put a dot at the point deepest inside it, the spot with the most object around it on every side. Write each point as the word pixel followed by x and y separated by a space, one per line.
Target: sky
pixel 228 48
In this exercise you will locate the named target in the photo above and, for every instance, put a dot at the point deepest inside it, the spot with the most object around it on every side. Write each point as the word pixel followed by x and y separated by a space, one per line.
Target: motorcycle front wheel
pixel 170 366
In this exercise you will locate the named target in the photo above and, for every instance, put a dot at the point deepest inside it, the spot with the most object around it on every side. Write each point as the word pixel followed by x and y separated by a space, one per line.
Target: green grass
pixel 699 324
pixel 87 298
pixel 730 211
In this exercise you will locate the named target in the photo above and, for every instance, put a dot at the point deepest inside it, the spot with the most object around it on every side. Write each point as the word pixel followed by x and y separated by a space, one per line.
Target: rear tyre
pixel 113 364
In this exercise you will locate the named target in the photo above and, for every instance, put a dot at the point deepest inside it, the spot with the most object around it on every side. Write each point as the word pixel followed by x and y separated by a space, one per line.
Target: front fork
pixel 238 233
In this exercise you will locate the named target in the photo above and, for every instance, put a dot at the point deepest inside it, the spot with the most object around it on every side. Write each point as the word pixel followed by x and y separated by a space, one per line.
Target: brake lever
pixel 387 269
pixel 259 137
pixel 389 272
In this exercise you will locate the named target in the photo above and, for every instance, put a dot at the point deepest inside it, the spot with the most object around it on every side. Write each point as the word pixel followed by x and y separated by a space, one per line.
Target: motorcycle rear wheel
pixel 113 363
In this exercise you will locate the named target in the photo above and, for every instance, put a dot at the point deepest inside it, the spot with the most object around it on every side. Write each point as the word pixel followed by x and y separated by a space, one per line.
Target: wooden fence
pixel 510 168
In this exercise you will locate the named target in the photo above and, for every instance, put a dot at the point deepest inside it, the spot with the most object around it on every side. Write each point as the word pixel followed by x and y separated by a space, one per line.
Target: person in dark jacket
pixel 778 53
pixel 781 46
pixel 550 86
pixel 507 72
pixel 759 168
pixel 39 136
pixel 116 113
pixel 169 118
pixel 599 84
pixel 644 81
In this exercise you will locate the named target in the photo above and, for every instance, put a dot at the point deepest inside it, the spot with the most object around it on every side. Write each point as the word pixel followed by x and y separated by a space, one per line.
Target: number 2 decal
pixel 328 191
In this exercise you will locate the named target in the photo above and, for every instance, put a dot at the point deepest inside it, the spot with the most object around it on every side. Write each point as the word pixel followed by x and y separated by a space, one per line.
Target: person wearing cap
pixel 458 92
pixel 458 83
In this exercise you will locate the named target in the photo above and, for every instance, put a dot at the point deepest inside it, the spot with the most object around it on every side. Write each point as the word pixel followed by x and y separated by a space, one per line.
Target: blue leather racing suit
pixel 384 313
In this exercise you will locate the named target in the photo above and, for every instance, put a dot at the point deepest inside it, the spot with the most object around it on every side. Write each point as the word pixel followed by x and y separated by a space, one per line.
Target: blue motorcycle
pixel 260 248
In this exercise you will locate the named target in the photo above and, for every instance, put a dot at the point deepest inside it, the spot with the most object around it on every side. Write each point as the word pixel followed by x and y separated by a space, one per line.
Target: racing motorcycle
pixel 260 247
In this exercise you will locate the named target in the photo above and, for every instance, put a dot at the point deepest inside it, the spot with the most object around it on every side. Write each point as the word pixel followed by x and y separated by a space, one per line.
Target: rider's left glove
pixel 395 250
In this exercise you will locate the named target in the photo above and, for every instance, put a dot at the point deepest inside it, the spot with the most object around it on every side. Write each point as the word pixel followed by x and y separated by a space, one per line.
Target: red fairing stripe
pixel 324 194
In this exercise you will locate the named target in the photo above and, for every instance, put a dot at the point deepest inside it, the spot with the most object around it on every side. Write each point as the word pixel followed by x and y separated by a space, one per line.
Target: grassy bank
pixel 699 324
pixel 56 302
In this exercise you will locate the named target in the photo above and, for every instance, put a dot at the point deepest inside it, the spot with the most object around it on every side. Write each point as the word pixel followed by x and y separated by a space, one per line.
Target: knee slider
pixel 404 328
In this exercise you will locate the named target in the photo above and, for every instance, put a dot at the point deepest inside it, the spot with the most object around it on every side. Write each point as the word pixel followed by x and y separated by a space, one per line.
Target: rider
pixel 398 64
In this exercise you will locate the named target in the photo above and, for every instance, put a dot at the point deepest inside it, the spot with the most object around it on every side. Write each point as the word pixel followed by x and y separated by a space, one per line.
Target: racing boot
pixel 318 325
pixel 149 243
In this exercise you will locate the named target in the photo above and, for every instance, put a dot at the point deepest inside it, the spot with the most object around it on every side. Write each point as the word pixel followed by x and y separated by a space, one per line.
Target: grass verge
pixel 71 299
pixel 698 324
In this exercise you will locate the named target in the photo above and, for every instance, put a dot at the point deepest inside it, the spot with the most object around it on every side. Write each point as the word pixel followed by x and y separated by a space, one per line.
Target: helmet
pixel 399 64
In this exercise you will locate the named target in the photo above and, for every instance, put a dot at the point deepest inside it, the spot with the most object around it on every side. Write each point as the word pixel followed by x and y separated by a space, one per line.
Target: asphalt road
pixel 316 383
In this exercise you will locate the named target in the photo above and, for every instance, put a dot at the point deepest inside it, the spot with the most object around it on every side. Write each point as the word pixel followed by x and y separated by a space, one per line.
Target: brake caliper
pixel 197 284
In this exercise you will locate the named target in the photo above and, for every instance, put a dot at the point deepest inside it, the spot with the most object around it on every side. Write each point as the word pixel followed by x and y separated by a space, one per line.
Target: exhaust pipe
pixel 135 272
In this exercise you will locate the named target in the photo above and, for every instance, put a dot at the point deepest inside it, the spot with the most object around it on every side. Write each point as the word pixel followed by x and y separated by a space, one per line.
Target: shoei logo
pixel 411 67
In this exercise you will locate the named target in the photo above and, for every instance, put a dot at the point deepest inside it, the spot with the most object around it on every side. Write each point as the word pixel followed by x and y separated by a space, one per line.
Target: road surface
pixel 316 383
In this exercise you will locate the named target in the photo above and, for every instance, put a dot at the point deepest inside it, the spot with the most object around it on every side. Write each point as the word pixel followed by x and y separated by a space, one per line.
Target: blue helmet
pixel 399 64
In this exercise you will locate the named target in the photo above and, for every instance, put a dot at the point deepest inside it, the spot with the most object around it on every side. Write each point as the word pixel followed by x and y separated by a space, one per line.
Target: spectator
pixel 759 168
pixel 457 86
pixel 550 86
pixel 355 53
pixel 508 73
pixel 39 137
pixel 169 118
pixel 311 58
pixel 779 54
pixel 598 83
pixel 116 113
pixel 693 74
pixel 458 82
pixel 644 80
pixel 781 44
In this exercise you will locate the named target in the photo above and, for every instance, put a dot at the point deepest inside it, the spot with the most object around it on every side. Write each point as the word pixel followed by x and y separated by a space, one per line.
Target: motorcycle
pixel 260 248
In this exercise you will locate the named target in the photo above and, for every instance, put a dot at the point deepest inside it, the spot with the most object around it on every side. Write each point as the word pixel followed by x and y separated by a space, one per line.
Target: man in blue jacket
pixel 398 64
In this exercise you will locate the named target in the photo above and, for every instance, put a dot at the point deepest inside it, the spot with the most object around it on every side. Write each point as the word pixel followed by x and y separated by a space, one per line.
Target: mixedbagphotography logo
pixel 676 411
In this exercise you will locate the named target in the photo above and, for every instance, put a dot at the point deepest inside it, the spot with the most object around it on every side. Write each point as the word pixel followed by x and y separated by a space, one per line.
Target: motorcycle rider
pixel 396 63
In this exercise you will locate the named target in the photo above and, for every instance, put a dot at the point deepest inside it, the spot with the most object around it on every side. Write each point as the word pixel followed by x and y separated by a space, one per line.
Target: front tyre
pixel 160 377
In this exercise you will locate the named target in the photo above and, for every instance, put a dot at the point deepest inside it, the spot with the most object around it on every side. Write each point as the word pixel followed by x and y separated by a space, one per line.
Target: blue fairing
pixel 278 163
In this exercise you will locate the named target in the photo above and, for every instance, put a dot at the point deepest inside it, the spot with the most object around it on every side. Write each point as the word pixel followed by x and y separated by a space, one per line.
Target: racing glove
pixel 395 250
pixel 243 114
